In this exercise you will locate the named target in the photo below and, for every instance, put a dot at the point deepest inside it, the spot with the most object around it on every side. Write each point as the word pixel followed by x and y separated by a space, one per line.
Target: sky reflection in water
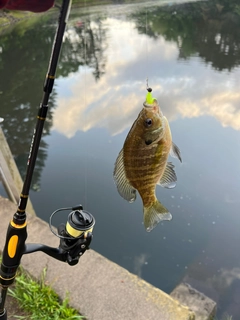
pixel 185 89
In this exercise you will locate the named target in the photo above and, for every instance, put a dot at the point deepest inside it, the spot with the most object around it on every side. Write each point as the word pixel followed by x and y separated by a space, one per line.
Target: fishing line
pixel 147 53
pixel 147 49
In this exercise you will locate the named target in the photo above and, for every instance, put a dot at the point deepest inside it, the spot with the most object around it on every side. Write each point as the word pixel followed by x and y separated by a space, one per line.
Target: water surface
pixel 190 54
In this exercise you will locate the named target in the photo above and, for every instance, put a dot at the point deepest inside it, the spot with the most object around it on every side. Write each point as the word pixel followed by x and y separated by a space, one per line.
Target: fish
pixel 142 163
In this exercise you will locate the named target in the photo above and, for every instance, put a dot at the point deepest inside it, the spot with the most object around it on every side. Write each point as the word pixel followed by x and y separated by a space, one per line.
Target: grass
pixel 40 301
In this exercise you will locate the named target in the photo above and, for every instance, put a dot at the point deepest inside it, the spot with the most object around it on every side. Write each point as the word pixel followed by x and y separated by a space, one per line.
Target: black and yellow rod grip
pixel 12 252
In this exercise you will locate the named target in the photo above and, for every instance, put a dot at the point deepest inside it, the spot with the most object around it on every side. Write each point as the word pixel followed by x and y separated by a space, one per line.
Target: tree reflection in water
pixel 208 29
pixel 24 57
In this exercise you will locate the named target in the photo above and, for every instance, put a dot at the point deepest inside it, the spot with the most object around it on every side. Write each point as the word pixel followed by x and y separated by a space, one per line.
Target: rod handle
pixel 12 252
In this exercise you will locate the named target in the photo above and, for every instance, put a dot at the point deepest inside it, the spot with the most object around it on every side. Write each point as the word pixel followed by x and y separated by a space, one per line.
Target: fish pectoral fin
pixel 169 178
pixel 175 152
pixel 124 187
pixel 155 214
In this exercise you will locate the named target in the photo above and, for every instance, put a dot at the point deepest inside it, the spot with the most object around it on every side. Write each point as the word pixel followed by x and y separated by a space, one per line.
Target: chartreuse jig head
pixel 150 101
pixel 149 97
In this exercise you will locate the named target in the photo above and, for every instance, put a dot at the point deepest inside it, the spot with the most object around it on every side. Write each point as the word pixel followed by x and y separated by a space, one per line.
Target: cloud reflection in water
pixel 183 89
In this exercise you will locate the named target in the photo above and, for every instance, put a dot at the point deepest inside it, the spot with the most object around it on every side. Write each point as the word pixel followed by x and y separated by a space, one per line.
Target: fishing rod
pixel 76 235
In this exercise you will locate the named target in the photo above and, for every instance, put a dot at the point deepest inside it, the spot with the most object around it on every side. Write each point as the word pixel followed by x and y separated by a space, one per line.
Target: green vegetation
pixel 11 17
pixel 40 301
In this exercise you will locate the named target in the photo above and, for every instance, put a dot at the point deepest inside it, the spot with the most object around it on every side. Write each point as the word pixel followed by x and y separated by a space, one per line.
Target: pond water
pixel 190 53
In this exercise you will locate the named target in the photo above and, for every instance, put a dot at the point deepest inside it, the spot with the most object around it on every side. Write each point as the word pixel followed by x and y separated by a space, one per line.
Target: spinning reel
pixel 76 235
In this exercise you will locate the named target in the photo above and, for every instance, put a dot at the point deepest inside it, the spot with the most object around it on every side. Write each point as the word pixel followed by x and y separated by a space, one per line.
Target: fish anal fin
pixel 155 214
pixel 124 187
pixel 169 178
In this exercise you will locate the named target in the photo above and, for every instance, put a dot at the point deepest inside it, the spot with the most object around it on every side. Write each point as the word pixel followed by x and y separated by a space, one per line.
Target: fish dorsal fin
pixel 175 152
pixel 169 178
pixel 124 188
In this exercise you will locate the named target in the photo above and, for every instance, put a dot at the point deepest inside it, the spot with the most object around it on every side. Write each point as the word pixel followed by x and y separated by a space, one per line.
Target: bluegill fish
pixel 142 162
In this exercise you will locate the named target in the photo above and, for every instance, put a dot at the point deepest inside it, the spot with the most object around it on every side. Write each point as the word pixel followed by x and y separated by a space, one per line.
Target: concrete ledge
pixel 12 180
pixel 203 307
pixel 98 288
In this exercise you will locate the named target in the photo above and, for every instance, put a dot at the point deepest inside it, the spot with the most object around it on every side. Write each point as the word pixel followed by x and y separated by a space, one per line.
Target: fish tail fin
pixel 155 214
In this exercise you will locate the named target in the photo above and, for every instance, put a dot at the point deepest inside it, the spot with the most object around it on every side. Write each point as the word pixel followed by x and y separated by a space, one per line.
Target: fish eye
pixel 148 123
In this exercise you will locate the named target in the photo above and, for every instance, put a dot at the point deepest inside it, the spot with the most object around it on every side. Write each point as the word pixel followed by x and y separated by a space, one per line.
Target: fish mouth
pixel 154 107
